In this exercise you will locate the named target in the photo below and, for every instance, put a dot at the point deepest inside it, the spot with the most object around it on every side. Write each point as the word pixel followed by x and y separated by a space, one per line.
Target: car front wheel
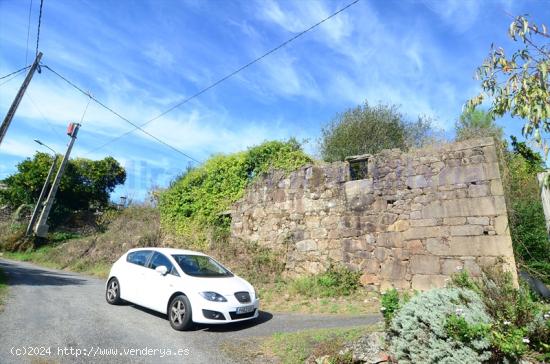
pixel 179 313
pixel 113 292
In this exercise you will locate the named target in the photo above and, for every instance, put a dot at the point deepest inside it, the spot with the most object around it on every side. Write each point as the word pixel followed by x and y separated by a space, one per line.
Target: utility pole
pixel 41 197
pixel 13 108
pixel 42 227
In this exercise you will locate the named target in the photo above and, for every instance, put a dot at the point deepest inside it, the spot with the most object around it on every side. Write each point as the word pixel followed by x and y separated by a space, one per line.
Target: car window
pixel 139 257
pixel 160 259
pixel 201 266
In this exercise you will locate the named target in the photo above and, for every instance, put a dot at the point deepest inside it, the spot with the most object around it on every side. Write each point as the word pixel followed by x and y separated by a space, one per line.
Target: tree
pixel 475 124
pixel 86 184
pixel 369 129
pixel 519 84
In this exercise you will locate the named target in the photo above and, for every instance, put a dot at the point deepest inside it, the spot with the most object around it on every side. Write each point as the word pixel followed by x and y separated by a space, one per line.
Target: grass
pixel 3 288
pixel 281 297
pixel 290 348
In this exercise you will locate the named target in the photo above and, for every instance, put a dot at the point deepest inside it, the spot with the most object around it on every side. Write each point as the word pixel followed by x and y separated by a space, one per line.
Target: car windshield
pixel 201 266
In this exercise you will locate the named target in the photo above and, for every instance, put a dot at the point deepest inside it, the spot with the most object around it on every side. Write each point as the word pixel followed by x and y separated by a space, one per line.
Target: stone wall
pixel 414 220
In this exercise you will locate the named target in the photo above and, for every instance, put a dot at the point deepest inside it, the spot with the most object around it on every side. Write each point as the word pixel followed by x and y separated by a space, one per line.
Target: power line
pixel 39 22
pixel 136 126
pixel 184 101
pixel 28 33
pixel 14 72
pixel 35 105
pixel 9 79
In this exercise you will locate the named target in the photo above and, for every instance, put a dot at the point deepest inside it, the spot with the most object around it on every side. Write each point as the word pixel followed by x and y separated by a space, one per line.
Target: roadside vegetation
pixel 3 288
pixel 300 347
pixel 471 321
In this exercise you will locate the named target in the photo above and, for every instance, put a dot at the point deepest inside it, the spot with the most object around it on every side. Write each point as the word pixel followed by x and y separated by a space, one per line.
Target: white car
pixel 187 286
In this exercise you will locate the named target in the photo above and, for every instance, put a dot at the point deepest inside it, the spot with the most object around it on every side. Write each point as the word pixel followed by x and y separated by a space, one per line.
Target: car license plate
pixel 245 309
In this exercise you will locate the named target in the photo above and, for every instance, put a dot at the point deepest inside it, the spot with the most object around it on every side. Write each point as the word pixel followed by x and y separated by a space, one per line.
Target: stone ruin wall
pixel 413 221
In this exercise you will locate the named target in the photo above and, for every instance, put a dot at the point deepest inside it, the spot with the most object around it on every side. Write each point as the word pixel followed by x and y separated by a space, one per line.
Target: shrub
pixel 335 281
pixel 517 321
pixel 418 331
pixel 390 303
pixel 458 328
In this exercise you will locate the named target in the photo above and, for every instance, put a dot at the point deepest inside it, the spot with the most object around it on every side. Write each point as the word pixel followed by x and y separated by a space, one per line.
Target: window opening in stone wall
pixel 358 167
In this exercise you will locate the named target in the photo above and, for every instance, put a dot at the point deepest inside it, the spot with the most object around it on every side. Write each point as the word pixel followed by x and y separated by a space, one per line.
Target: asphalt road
pixel 67 313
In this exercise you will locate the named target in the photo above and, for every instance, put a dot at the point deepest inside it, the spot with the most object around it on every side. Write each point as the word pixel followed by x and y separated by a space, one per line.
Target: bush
pixel 517 321
pixel 418 331
pixel 390 303
pixel 336 281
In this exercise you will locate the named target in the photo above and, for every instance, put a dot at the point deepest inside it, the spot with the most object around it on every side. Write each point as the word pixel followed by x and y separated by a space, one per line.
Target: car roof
pixel 168 251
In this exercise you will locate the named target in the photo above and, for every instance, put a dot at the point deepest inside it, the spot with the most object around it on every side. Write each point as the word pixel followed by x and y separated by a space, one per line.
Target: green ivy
pixel 196 201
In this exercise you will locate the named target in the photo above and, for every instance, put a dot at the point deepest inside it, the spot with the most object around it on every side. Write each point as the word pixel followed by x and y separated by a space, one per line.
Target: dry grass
pixel 297 347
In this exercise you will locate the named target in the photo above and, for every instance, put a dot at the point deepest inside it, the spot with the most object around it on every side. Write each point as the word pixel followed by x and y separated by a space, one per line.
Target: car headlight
pixel 256 293
pixel 213 296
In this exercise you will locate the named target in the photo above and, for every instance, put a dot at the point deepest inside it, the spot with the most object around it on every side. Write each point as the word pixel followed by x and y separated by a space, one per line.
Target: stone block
pixel 482 245
pixel 419 181
pixel 370 266
pixel 393 269
pixel 478 190
pixel 451 266
pixel 368 279
pixel 423 282
pixel 399 225
pixel 399 284
pixel 454 221
pixel 438 246
pixel 496 187
pixel 477 206
pixel 425 264
pixel 390 239
pixel 306 245
pixel 466 230
pixel 424 222
pixel 422 232
pixel 415 246
pixel 467 174
pixel 400 253
pixel 380 254
pixel 472 267
pixel 416 215
pixel 481 220
pixel 501 225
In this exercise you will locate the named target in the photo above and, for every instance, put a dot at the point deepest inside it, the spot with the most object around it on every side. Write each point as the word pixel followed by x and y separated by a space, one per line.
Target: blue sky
pixel 142 57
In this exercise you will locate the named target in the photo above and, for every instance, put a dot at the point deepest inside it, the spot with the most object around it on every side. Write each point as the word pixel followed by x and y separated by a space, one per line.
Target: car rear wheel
pixel 112 294
pixel 179 313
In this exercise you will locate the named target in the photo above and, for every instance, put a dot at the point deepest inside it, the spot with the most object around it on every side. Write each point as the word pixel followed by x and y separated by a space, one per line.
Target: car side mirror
pixel 162 270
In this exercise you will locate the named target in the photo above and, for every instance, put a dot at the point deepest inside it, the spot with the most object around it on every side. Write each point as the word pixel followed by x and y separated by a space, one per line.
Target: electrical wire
pixel 39 23
pixel 136 126
pixel 216 83
pixel 14 72
pixel 28 33
pixel 9 79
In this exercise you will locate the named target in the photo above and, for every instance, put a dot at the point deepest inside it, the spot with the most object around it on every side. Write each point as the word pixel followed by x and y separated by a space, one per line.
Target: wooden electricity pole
pixel 13 108
pixel 42 227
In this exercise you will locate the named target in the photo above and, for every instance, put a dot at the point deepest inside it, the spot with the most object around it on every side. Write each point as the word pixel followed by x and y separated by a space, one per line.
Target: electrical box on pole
pixel 41 228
